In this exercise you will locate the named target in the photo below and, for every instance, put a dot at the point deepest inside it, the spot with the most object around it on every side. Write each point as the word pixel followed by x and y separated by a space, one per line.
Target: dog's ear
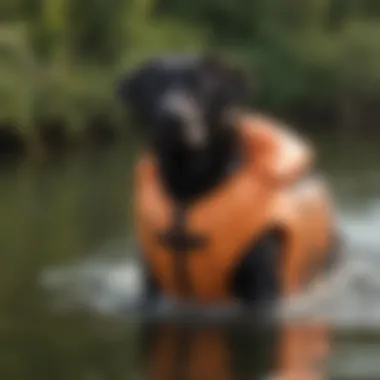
pixel 231 82
pixel 126 88
pixel 133 89
pixel 139 89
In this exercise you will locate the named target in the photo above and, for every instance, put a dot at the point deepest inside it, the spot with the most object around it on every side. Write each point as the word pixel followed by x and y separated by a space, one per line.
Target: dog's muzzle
pixel 181 119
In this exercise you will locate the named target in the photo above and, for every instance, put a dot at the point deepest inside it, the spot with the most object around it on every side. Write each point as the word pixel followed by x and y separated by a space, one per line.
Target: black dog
pixel 184 107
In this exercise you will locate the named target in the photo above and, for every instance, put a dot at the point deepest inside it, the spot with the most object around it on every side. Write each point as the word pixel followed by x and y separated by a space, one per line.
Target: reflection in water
pixel 188 352
pixel 72 215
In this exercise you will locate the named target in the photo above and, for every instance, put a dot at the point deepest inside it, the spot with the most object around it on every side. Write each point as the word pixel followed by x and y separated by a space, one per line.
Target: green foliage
pixel 60 58
pixel 17 79
pixel 360 56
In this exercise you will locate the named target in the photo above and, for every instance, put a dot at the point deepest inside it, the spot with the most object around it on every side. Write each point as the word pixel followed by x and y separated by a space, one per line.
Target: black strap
pixel 181 243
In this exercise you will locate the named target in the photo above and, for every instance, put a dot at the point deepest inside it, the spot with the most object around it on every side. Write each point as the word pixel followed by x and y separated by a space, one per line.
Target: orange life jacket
pixel 263 193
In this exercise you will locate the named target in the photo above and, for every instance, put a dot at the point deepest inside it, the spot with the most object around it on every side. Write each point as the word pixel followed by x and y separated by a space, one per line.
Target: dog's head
pixel 183 102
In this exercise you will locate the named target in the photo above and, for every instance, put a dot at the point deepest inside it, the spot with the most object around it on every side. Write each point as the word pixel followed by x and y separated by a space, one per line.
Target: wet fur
pixel 189 173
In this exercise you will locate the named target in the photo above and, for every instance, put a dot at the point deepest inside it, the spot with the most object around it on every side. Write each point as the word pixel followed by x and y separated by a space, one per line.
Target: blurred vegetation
pixel 316 60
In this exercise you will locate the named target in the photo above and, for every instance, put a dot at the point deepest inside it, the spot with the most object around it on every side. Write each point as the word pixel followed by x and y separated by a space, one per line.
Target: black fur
pixel 256 279
pixel 215 88
pixel 189 170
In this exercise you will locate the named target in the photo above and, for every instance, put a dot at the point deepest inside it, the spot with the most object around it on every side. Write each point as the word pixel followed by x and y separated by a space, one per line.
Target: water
pixel 67 273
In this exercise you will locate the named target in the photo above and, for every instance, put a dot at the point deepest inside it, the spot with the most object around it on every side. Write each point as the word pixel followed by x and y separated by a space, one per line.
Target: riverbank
pixel 58 134
pixel 57 108
pixel 54 108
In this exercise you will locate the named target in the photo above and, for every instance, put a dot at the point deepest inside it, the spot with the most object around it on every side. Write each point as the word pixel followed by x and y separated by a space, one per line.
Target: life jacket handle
pixel 278 155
